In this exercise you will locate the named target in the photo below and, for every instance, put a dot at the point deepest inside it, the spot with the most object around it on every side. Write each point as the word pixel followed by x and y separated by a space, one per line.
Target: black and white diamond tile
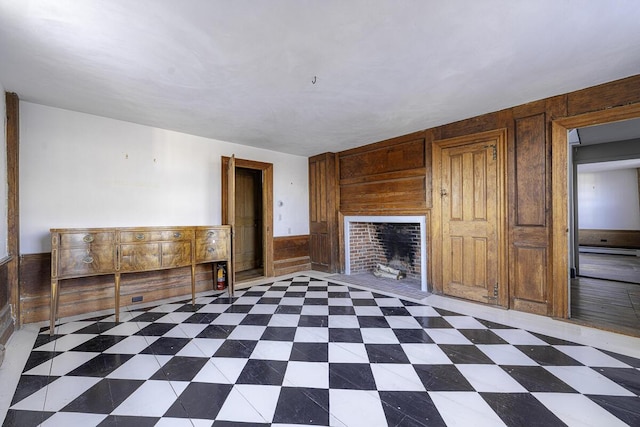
pixel 305 351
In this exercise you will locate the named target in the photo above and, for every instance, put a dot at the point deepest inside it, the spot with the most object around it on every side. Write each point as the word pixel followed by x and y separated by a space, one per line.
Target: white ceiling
pixel 244 70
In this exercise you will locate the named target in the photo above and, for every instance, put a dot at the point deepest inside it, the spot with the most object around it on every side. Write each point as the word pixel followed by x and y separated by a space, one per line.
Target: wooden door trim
pixel 13 203
pixel 435 265
pixel 559 191
pixel 267 205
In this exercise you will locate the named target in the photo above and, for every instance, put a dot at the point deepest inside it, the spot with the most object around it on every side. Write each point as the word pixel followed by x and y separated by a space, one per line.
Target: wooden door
pixel 470 216
pixel 265 171
pixel 248 254
pixel 323 227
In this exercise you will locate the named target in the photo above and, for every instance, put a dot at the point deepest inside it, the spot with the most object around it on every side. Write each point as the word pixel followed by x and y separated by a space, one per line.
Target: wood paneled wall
pixel 291 254
pixel 390 176
pixel 6 321
pixel 395 176
pixel 9 269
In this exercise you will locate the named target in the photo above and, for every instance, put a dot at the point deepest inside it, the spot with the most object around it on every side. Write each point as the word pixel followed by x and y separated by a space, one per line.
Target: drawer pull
pixel 88 259
pixel 177 235
pixel 88 238
pixel 211 250
pixel 210 233
pixel 139 236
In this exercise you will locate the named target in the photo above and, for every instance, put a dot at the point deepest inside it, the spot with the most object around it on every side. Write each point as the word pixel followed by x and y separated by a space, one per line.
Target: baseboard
pixel 625 239
pixel 609 251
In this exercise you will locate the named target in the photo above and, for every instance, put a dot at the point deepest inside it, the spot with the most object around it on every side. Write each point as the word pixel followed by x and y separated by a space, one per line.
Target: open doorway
pixel 605 225
pixel 248 224
pixel 251 196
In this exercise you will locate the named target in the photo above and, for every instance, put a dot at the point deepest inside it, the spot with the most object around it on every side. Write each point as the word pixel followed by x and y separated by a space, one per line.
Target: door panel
pixel 248 222
pixel 469 215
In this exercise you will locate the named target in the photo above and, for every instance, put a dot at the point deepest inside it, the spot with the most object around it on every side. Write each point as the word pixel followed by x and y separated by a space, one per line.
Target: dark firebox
pixel 397 240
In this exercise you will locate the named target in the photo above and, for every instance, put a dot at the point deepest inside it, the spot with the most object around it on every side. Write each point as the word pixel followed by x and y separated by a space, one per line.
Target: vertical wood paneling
pixel 12 282
pixel 323 234
pixel 480 262
pixel 456 193
pixel 530 234
pixel 457 259
pixel 480 185
pixel 530 179
pixel 6 321
pixel 531 274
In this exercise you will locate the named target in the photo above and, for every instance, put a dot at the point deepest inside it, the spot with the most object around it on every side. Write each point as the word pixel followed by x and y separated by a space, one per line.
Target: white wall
pixel 80 170
pixel 608 200
pixel 4 251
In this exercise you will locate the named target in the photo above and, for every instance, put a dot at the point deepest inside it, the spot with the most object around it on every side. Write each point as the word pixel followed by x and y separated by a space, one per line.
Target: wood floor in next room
pixel 607 292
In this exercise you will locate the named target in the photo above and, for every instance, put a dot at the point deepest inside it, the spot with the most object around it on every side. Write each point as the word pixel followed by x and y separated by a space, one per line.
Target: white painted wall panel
pixel 608 200
pixel 80 170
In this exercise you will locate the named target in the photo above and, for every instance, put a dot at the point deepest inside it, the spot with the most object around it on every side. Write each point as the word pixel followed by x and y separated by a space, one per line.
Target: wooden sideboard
pixel 83 252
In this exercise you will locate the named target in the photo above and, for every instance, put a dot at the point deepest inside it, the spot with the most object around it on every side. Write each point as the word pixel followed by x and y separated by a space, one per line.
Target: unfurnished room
pixel 330 213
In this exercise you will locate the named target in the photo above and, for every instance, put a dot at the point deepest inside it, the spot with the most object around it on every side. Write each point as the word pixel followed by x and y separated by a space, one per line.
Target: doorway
pixel 248 224
pixel 563 239
pixel 251 196
pixel 605 218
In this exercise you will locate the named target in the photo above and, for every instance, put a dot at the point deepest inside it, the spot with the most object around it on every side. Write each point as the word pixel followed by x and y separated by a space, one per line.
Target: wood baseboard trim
pixel 292 265
pixel 628 239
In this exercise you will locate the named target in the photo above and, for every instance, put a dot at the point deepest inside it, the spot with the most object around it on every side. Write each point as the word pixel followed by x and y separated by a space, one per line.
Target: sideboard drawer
pixel 176 254
pixel 139 257
pixel 140 236
pixel 83 262
pixel 85 239
pixel 211 244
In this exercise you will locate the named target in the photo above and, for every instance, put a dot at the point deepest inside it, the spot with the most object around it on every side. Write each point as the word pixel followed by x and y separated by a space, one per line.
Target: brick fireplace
pixel 395 241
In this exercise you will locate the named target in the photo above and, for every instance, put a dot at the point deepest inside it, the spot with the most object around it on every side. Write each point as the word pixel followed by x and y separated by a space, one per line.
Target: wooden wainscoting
pixel 291 254
pixel 84 295
pixel 629 239
pixel 6 320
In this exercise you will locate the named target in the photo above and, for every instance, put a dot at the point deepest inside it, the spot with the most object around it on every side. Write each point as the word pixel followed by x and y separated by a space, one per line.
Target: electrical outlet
pixel 136 299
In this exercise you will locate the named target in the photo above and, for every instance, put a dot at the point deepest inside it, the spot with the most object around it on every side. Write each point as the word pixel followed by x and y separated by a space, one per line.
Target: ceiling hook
pixel 314 80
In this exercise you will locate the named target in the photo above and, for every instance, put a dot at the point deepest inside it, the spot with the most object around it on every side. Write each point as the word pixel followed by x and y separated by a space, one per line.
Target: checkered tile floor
pixel 311 352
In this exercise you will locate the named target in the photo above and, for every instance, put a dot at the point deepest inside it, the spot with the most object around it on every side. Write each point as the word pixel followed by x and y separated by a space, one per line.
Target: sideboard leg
pixel 117 292
pixel 54 306
pixel 193 284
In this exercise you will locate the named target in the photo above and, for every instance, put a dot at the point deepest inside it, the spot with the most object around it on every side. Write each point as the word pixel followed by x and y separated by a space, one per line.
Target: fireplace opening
pixel 385 246
pixel 399 243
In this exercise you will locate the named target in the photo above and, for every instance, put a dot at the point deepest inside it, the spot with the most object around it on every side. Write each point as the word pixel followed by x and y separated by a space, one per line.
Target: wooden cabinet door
pixel 469 213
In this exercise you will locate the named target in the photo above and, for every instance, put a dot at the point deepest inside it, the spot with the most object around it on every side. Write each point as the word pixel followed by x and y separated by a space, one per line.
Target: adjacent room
pixel 329 213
